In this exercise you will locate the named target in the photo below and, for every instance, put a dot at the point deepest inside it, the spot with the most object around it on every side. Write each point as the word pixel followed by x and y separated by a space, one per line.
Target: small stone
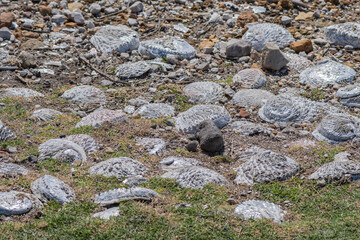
pixel 210 137
pixel 132 22
pixel 302 46
pixel 285 20
pixel 58 19
pixel 192 146
pixel 231 201
pixel 45 10
pixel 273 58
pixel 27 59
pixel 5 33
pixel 137 7
pixel 304 16
pixel 236 48
pixel 107 214
pixel 78 18
pixel 75 5
pixel 95 8
pixel 6 19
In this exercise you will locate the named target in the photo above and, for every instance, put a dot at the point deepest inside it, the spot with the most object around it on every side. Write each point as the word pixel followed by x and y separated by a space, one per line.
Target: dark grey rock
pixel 272 58
pixel 210 137
pixel 137 7
pixel 95 8
pixel 192 146
pixel 5 133
pixel 237 48
pixel 5 33
pixel 58 19
pixel 134 180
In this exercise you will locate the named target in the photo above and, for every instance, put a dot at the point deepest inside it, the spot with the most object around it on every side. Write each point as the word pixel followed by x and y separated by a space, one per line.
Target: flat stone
pixel 123 194
pixel 99 117
pixel 108 213
pixel 251 97
pixel 204 92
pixel 256 209
pixel 272 57
pixel 48 188
pixel 155 111
pixel 349 95
pixel 16 203
pixel 195 177
pixel 187 121
pixel 160 47
pixel 250 78
pixel 181 28
pixel 5 133
pixel 85 94
pixel 12 170
pixel 136 7
pixel 170 163
pixel 336 128
pixel 132 70
pixel 118 38
pixel 5 33
pixel 154 146
pixel 247 128
pixel 327 72
pixel 302 46
pixel 19 92
pixel 237 48
pixel 45 114
pixel 85 141
pixel 118 167
pixel 344 34
pixel 261 33
pixel 297 63
pixel 265 167
pixel 62 149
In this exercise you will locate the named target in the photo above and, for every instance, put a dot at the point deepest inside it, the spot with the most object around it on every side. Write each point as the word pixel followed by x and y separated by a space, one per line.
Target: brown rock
pixel 31 35
pixel 287 4
pixel 75 5
pixel 246 17
pixel 6 19
pixel 304 16
pixel 302 46
pixel 45 10
pixel 32 44
pixel 243 113
pixel 207 43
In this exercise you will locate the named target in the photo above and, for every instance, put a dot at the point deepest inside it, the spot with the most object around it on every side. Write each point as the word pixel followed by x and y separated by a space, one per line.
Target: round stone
pixel 45 114
pixel 118 38
pixel 187 121
pixel 132 70
pixel 118 167
pixel 284 108
pixel 195 177
pixel 154 146
pixel 19 92
pixel 62 149
pixel 264 167
pixel 256 209
pixel 99 117
pixel 344 34
pixel 13 170
pixel 336 128
pixel 204 92
pixel 85 141
pixel 250 78
pixel 49 188
pixel 251 97
pixel 16 203
pixel 178 162
pixel 349 95
pixel 168 45
pixel 155 111
pixel 5 133
pixel 327 72
pixel 85 94
pixel 261 33
pixel 297 63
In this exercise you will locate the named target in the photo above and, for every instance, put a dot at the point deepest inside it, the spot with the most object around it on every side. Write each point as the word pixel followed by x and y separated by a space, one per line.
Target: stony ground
pixel 102 109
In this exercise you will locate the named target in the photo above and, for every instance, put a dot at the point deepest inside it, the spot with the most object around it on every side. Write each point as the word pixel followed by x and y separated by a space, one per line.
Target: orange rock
pixel 71 24
pixel 31 35
pixel 45 10
pixel 302 46
pixel 42 25
pixel 254 65
pixel 304 16
pixel 206 43
pixel 6 19
pixel 246 17
pixel 243 113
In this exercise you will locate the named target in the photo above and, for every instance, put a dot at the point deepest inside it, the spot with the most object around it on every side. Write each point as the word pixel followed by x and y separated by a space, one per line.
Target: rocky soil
pixel 186 113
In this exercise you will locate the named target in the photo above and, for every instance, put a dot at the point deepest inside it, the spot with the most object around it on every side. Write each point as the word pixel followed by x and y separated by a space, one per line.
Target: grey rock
pixel 170 163
pixel 195 177
pixel 327 72
pixel 85 94
pixel 118 38
pixel 137 102
pixel 237 48
pixel 134 180
pixel 204 92
pixel 19 92
pixel 320 41
pixel 95 8
pixel 209 136
pixel 78 18
pixel 231 22
pixel 129 109
pixel 160 47
pixel 272 58
pixel 12 170
pixel 187 121
pixel 137 7
pixel 28 60
pixel 5 33
pixel 58 19
pixel 181 28
pixel 132 22
pixel 16 203
pixel 256 209
pixel 45 114
pixel 297 63
pixel 344 34
pixel 285 20
pixel 349 95
pixel 265 167
pixel 108 213
pixel 155 111
pixel 247 128
pixel 61 149
pixel 215 18
pixel 85 141
pixel 154 146
pixel 261 33
pixel 251 97
pixel 4 56
pixel 124 194
pixel 192 146
pixel 132 70
pixel 250 78
pixel 118 167
pixel 336 128
pixel 99 117
pixel 49 188
pixel 5 133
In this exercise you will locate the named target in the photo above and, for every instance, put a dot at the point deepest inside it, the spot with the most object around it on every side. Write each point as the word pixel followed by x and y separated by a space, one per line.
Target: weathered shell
pixel 297 63
pixel 5 133
pixel 349 95
pixel 155 111
pixel 344 34
pixel 204 92
pixel 123 194
pixel 336 128
pixel 132 70
pixel 49 188
pixel 45 114
pixel 154 146
pixel 178 162
pixel 108 213
pixel 261 33
pixel 62 149
pixel 251 97
pixel 10 169
pixel 85 94
pixel 118 38
pixel 256 209
pixel 118 167
pixel 16 203
pixel 85 141
pixel 285 108
pixel 266 166
pixel 19 92
pixel 250 78
pixel 168 45
pixel 327 72
pixel 97 118
pixel 195 177
pixel 187 121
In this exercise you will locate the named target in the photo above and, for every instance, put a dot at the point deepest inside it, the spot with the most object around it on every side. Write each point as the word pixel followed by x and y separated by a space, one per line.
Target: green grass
pixel 325 154
pixel 13 109
pixel 315 94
